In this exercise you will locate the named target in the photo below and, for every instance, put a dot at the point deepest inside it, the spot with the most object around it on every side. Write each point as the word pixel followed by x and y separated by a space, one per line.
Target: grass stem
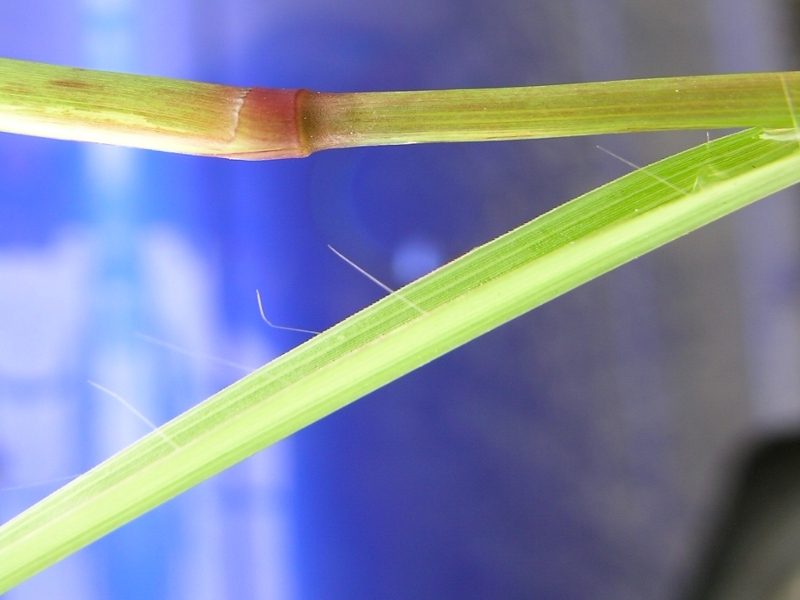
pixel 259 123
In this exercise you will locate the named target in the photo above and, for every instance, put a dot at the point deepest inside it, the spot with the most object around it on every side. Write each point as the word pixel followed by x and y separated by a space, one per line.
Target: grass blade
pixel 483 289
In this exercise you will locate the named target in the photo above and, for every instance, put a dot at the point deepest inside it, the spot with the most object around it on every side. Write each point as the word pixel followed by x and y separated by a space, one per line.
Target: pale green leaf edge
pixel 483 289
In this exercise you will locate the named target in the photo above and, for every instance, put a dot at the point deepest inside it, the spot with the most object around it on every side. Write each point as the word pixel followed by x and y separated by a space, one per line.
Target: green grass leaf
pixel 460 301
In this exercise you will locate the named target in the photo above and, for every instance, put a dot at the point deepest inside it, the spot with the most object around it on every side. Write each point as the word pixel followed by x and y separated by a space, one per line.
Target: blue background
pixel 578 452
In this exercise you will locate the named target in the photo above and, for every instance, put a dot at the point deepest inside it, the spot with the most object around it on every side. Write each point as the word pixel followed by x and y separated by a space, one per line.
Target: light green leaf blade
pixel 483 289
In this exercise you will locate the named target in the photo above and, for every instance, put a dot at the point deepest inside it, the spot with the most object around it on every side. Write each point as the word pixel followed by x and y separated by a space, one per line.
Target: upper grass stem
pixel 259 123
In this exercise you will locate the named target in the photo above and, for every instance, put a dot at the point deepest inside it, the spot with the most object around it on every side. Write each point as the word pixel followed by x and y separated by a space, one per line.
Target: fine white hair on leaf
pixel 273 325
pixel 644 170
pixel 131 408
pixel 790 103
pixel 30 486
pixel 376 280
pixel 175 348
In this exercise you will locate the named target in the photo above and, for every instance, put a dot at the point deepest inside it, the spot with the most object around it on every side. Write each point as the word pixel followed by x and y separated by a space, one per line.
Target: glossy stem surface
pixel 261 123
pixel 704 102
